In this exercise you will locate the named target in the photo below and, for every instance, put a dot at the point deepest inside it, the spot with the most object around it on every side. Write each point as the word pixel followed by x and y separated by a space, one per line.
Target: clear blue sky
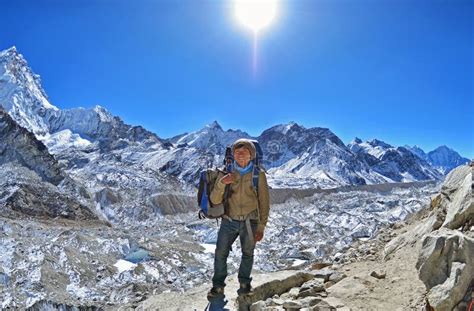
pixel 396 70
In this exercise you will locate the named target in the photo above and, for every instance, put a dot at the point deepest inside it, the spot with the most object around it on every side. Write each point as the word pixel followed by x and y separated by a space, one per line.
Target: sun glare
pixel 256 14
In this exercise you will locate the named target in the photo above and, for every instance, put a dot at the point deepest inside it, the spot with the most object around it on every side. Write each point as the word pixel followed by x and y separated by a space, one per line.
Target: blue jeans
pixel 228 232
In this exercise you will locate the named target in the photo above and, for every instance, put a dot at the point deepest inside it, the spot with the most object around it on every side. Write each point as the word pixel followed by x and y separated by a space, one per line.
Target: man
pixel 246 216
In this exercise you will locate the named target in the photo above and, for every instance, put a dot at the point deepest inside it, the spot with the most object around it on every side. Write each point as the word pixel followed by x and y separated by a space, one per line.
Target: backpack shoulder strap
pixel 255 176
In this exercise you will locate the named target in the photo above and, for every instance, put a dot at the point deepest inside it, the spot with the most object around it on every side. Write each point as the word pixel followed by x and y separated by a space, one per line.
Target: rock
pixel 456 197
pixel 330 303
pixel 329 284
pixel 320 265
pixel 275 287
pixel 292 305
pixel 285 296
pixel 409 237
pixel 338 256
pixel 323 306
pixel 334 302
pixel 309 301
pixel 274 302
pixel 258 306
pixel 324 274
pixel 311 288
pixel 370 257
pixel 378 274
pixel 294 292
pixel 446 266
pixel 336 276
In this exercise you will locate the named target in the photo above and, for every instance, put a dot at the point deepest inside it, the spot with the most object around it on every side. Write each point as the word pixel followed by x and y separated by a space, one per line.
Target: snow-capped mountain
pixel 23 97
pixel 396 163
pixel 93 143
pixel 443 158
pixel 211 138
pixel 297 156
pixel 96 149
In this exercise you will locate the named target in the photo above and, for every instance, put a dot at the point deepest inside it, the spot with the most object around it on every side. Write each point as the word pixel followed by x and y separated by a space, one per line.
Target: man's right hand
pixel 227 179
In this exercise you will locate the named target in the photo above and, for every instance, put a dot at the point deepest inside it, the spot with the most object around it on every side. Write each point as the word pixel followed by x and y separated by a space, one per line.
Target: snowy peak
pixel 104 114
pixel 14 67
pixel 210 138
pixel 21 94
pixel 374 147
pixel 378 143
pixel 445 159
pixel 399 164
pixel 417 151
pixel 293 154
pixel 214 125
pixel 286 128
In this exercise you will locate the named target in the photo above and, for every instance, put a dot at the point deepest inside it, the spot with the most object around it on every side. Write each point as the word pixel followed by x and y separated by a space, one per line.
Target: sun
pixel 256 14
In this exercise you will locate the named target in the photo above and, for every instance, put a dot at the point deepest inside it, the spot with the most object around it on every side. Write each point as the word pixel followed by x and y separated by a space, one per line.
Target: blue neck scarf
pixel 243 170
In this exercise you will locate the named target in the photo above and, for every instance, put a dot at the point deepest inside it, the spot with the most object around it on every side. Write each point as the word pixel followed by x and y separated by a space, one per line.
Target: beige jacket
pixel 243 197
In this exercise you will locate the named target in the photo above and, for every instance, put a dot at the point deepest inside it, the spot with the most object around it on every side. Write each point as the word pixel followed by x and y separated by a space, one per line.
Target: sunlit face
pixel 242 156
pixel 256 14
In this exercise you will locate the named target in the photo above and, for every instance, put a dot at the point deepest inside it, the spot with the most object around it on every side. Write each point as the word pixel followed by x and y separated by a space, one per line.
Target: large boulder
pixel 446 267
pixel 446 262
pixel 456 198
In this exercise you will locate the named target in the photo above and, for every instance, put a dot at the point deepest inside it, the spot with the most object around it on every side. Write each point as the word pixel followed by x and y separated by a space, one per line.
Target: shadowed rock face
pixel 37 198
pixel 30 175
pixel 18 144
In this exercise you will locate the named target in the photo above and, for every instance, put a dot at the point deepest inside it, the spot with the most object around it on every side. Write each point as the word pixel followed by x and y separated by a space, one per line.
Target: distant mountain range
pixel 100 151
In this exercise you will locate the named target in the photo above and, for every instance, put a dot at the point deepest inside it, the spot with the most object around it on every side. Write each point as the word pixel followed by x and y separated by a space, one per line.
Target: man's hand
pixel 227 179
pixel 258 236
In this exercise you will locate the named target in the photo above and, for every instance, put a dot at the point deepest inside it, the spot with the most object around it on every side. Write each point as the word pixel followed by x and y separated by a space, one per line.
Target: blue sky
pixel 397 70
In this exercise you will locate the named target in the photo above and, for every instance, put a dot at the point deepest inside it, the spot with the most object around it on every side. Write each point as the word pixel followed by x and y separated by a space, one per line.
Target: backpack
pixel 207 180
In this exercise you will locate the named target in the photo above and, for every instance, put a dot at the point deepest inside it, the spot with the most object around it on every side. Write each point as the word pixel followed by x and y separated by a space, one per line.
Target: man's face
pixel 242 156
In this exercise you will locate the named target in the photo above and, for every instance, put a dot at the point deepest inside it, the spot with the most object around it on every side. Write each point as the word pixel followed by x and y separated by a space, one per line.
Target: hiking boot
pixel 244 289
pixel 215 292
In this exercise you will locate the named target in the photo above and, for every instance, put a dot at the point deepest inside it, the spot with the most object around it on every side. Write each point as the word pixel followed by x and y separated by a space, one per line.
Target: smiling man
pixel 246 216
